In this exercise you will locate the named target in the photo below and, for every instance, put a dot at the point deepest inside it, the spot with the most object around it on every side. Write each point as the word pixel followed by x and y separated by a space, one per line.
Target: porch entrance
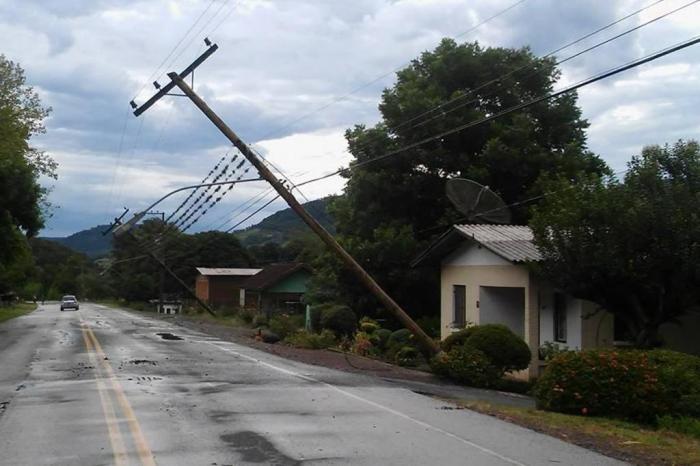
pixel 503 305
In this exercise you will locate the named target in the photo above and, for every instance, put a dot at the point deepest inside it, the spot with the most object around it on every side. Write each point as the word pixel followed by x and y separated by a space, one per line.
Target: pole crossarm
pixel 427 343
pixel 168 87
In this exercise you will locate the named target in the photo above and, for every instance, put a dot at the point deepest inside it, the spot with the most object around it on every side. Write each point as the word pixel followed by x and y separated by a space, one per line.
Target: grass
pixel 16 310
pixel 637 444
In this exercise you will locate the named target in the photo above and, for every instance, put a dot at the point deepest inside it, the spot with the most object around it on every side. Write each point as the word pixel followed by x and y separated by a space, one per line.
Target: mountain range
pixel 277 228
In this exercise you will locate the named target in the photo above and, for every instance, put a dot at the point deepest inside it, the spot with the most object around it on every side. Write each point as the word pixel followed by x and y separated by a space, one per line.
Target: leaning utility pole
pixel 424 340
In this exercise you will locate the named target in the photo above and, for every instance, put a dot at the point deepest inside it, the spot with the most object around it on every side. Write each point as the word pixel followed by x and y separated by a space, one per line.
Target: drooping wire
pixel 514 108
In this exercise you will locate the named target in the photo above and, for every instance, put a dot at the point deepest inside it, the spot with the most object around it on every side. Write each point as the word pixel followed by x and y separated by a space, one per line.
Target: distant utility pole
pixel 161 251
pixel 428 344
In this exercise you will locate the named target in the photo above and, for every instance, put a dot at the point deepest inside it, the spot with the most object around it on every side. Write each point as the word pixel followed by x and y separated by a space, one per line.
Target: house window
pixel 459 305
pixel 559 317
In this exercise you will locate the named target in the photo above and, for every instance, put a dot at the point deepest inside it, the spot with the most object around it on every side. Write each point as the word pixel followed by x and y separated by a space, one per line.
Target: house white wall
pixel 473 267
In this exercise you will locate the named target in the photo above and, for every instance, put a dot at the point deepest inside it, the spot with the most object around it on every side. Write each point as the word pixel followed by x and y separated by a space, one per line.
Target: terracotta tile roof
pixel 272 274
pixel 228 272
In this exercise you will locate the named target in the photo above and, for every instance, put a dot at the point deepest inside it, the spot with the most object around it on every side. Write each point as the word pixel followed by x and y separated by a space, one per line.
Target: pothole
pixel 144 361
pixel 168 336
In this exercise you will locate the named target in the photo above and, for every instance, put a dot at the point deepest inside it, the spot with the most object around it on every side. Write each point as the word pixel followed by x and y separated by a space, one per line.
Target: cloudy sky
pixel 287 75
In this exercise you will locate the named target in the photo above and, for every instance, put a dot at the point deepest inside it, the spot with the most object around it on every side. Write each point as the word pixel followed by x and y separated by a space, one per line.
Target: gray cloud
pixel 279 61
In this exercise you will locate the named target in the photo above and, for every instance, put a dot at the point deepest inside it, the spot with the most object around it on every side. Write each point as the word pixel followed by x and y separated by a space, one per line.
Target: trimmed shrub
pixel 505 350
pixel 284 324
pixel 400 337
pixel 466 365
pixel 456 339
pixel 619 384
pixel 340 319
pixel 407 356
pixel 309 340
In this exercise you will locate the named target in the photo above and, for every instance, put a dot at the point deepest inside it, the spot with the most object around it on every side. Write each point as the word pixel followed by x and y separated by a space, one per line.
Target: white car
pixel 69 302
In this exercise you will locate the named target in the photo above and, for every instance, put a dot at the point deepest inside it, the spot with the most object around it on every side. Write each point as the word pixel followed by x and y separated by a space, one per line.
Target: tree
pixel 391 209
pixel 22 199
pixel 138 280
pixel 631 246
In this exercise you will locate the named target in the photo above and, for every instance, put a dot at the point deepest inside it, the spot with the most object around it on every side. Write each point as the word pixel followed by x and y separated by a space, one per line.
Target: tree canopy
pixel 138 279
pixel 631 246
pixel 392 208
pixel 22 198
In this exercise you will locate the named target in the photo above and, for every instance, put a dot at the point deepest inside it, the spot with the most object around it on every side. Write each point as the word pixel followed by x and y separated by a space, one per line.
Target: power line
pixel 471 92
pixel 521 106
pixel 554 52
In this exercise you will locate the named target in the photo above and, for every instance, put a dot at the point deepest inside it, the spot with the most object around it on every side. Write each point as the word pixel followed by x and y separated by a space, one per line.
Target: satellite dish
pixel 476 201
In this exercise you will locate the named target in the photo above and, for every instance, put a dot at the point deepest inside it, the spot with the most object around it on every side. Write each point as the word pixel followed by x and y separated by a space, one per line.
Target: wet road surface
pixel 103 386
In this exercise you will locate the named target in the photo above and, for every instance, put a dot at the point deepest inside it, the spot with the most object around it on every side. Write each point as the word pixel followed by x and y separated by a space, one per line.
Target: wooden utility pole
pixel 424 340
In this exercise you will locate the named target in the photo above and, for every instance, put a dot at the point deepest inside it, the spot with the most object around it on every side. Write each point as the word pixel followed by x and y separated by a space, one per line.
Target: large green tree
pixel 22 199
pixel 392 208
pixel 631 246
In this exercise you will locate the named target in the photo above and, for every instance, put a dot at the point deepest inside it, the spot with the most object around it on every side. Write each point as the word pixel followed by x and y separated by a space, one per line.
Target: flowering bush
pixel 362 344
pixel 466 365
pixel 619 384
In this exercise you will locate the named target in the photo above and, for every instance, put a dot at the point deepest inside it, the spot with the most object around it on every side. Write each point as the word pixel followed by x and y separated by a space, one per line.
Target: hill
pixel 278 228
pixel 89 242
pixel 283 225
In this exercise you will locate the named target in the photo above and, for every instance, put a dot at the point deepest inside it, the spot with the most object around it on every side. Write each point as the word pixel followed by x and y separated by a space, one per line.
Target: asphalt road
pixel 103 386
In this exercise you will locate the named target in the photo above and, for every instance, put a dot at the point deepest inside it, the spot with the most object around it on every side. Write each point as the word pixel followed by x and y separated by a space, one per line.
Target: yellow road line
pixel 142 447
pixel 115 437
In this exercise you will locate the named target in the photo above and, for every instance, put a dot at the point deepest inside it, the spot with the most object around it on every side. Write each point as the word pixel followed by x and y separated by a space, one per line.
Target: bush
pixel 505 350
pixel 309 340
pixel 550 350
pixel 340 319
pixel 679 373
pixel 362 344
pixel 246 315
pixel 382 335
pixel 285 324
pixel 259 320
pixel 407 356
pixel 315 315
pixel 466 365
pixel 368 326
pixel 619 384
pixel 400 337
pixel 456 339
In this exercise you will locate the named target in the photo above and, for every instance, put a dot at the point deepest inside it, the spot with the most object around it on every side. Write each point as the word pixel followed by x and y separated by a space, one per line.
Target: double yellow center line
pixel 104 375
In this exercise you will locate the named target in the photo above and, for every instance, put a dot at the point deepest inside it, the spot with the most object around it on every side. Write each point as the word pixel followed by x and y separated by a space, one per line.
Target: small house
pixel 221 286
pixel 485 279
pixel 277 287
